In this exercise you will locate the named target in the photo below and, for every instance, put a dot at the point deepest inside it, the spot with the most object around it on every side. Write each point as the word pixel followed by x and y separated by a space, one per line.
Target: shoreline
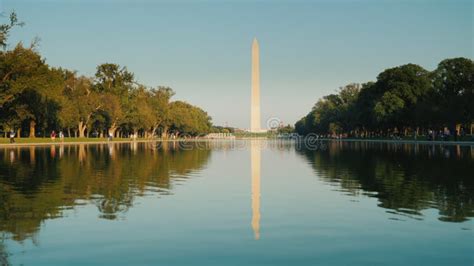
pixel 69 143
pixel 406 141
pixel 56 143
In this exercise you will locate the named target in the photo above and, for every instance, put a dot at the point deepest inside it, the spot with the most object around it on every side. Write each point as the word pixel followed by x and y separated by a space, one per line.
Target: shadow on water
pixel 42 183
pixel 405 178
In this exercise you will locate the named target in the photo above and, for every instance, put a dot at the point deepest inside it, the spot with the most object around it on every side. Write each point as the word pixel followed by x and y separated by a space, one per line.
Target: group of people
pixel 54 135
pixel 445 134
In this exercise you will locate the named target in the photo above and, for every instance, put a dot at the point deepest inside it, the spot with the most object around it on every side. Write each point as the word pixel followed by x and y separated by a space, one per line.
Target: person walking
pixel 61 135
pixel 53 135
pixel 12 136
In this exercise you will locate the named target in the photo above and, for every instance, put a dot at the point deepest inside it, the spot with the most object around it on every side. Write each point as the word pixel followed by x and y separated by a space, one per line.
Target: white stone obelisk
pixel 255 98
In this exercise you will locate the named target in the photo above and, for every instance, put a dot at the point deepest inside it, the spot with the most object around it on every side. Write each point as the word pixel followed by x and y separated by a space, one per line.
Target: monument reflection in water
pixel 138 199
pixel 255 151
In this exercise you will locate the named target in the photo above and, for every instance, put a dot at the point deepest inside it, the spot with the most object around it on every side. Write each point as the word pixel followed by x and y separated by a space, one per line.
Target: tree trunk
pixel 164 134
pixel 135 134
pixel 82 128
pixel 153 130
pixel 68 132
pixel 112 129
pixel 457 127
pixel 32 128
pixel 18 133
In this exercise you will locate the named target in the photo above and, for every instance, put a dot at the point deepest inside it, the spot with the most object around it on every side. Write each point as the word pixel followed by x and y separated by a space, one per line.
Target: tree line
pixel 36 99
pixel 404 100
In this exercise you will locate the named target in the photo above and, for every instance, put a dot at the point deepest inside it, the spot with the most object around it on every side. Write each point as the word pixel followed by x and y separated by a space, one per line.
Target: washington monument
pixel 255 98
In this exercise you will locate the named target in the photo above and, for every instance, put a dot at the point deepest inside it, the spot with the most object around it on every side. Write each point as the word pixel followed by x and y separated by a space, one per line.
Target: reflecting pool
pixel 237 203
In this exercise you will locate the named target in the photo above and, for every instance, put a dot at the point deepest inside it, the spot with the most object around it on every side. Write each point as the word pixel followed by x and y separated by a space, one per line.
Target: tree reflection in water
pixel 3 251
pixel 405 178
pixel 41 183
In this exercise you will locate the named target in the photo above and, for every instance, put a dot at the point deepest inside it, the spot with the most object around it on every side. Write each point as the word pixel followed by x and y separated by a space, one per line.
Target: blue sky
pixel 202 48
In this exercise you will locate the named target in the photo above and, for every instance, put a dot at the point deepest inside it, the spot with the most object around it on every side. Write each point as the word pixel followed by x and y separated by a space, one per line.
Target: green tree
pixel 160 103
pixel 404 98
pixel 29 90
pixel 286 129
pixel 116 83
pixel 348 96
pixel 454 88
pixel 139 111
pixel 301 127
pixel 364 108
pixel 6 28
pixel 400 89
pixel 80 103
pixel 36 96
pixel 188 119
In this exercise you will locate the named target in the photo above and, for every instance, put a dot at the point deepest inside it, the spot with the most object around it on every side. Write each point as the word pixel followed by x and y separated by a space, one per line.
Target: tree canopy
pixel 36 98
pixel 403 98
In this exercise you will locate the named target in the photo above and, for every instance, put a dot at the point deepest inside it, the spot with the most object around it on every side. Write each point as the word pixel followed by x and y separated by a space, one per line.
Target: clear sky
pixel 202 48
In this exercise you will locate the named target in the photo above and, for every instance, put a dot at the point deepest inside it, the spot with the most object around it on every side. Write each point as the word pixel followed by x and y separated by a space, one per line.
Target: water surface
pixel 237 203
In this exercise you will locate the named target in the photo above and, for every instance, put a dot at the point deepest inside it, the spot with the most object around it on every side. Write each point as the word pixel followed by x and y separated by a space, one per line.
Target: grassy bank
pixel 49 140
pixel 468 138
pixel 405 141
pixel 44 141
